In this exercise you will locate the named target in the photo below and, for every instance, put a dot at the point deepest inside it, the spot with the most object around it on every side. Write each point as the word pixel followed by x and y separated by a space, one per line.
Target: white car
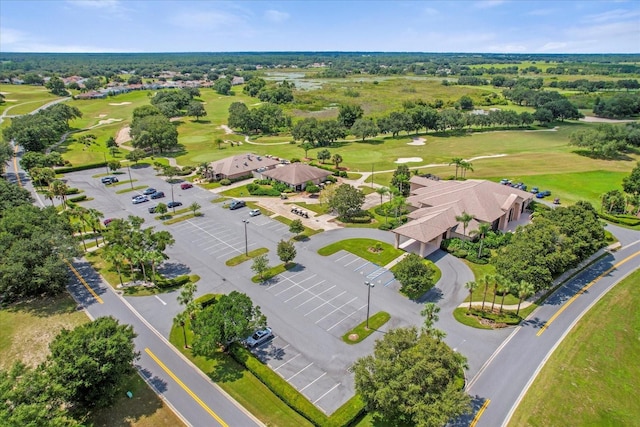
pixel 139 199
pixel 255 212
pixel 260 336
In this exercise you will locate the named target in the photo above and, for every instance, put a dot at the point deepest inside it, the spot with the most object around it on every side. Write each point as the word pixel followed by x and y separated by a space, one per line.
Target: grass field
pixel 27 330
pixel 593 377
pixel 22 99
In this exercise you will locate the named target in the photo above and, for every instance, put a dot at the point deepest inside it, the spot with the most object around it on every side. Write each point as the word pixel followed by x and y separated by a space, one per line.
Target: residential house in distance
pixel 296 175
pixel 242 165
pixel 434 206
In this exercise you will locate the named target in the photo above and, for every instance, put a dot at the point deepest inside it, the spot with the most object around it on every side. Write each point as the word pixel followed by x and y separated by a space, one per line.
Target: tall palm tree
pixel 486 281
pixel 155 257
pixel 337 159
pixel 465 219
pixel 114 254
pixel 93 219
pixel 59 189
pixel 482 231
pixel 498 281
pixel 457 161
pixel 48 194
pixel 525 290
pixel 472 286
pixel 504 287
pixel 382 191
pixel 181 320
pixel 466 166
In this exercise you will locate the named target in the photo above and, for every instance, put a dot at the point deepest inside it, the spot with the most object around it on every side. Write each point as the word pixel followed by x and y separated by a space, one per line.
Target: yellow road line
pixel 480 412
pixel 84 282
pixel 185 388
pixel 581 291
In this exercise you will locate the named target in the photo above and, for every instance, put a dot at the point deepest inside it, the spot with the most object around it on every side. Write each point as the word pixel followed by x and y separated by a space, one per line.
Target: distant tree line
pixel 607 140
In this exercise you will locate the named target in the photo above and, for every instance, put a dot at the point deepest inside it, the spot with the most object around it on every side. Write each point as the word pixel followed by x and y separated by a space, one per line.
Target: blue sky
pixel 516 26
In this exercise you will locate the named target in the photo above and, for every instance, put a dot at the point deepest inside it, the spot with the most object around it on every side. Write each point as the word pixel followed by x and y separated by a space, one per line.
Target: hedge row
pixel 206 300
pixel 71 191
pixel 79 198
pixel 81 167
pixel 620 219
pixel 345 416
pixel 161 282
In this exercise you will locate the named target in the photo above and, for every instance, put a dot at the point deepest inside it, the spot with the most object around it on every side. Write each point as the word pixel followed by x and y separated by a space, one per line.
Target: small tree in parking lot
pixel 260 265
pixel 414 275
pixel 296 227
pixel 286 251
pixel 195 207
pixel 162 209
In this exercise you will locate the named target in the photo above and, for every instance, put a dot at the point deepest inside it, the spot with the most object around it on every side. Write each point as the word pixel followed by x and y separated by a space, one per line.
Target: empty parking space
pixel 370 271
pixel 214 239
pixel 319 386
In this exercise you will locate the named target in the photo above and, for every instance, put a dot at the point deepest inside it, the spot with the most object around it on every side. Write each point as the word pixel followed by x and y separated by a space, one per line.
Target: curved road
pixel 506 376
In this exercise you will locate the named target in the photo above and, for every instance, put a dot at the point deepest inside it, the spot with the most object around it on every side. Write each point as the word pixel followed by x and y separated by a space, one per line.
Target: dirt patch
pixel 116 104
pixel 10 100
pixel 417 141
pixel 123 135
pixel 408 160
pixel 227 129
pixel 353 337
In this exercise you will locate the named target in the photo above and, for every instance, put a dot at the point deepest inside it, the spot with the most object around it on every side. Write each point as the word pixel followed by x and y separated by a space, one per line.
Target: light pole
pixel 246 242
pixel 130 180
pixel 369 285
pixel 173 202
pixel 106 165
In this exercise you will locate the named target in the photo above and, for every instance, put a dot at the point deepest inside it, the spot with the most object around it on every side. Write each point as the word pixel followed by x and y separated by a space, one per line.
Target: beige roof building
pixel 239 166
pixel 296 175
pixel 435 205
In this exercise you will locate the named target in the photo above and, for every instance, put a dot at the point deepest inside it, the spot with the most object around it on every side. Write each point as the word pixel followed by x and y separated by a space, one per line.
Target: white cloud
pixel 486 4
pixel 276 16
pixel 553 47
pixel 617 14
pixel 95 4
pixel 429 11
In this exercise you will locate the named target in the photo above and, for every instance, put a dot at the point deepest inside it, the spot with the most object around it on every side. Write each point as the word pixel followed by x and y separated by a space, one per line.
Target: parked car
pixel 174 204
pixel 236 204
pixel 139 199
pixel 108 180
pixel 152 209
pixel 535 190
pixel 259 337
pixel 149 191
pixel 107 221
pixel 157 195
pixel 542 194
pixel 255 212
pixel 186 185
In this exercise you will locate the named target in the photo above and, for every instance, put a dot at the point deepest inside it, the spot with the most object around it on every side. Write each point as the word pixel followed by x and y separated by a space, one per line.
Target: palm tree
pixel 472 286
pixel 525 290
pixel 337 159
pixel 504 288
pixel 155 257
pixel 195 206
pixel 465 219
pixel 482 231
pixel 219 141
pixel 465 166
pixel 457 161
pixel 498 280
pixel 430 314
pixel 486 281
pixel 48 194
pixel 93 220
pixel 59 190
pixel 382 191
pixel 114 254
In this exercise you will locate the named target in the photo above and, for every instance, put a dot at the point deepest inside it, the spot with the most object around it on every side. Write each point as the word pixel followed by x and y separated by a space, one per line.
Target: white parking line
pixel 337 308
pixel 275 369
pixel 330 390
pixel 158 298
pixel 345 318
pixel 285 278
pixel 314 297
pixel 342 257
pixel 297 284
pixel 325 303
pixel 305 290
pixel 355 260
pixel 205 231
pixel 311 383
pixel 294 375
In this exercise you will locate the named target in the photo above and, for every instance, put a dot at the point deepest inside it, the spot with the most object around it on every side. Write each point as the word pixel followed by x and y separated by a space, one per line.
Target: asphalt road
pixel 504 379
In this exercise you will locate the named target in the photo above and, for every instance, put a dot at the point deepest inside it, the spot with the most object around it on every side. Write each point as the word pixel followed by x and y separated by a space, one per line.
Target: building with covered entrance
pixel 434 206
pixel 297 175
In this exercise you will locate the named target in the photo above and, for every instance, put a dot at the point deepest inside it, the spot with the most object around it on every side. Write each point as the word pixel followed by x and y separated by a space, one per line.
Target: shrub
pixel 295 160
pixel 385 227
pixel 163 283
pixel 225 181
pixel 71 191
pixel 206 300
pixel 261 182
pixel 331 178
pixel 79 198
pixel 620 219
pixel 80 167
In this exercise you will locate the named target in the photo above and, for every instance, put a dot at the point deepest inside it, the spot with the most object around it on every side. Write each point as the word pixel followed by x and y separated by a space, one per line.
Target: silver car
pixel 258 337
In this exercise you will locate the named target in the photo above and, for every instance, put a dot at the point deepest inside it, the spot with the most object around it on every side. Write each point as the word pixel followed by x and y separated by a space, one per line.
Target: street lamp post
pixel 369 285
pixel 172 199
pixel 246 242
pixel 106 165
pixel 130 180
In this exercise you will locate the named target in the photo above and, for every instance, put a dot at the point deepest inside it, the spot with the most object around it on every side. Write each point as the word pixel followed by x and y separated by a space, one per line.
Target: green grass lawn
pixel 361 248
pixel 23 99
pixel 595 367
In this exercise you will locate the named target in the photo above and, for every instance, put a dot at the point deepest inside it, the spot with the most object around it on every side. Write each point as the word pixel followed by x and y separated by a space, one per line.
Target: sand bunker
pixel 119 103
pixel 408 159
pixel 123 135
pixel 108 121
pixel 417 141
pixel 99 116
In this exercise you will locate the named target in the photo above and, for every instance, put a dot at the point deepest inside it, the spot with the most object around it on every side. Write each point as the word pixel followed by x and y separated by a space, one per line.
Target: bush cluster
pixel 257 190
pixel 87 166
pixel 629 220
pixel 79 198
pixel 466 249
pixel 206 300
pixel 164 283
pixel 225 181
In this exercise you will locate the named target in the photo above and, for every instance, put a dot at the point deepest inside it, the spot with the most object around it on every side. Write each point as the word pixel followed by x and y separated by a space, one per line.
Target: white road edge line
pixel 558 342
pixel 158 298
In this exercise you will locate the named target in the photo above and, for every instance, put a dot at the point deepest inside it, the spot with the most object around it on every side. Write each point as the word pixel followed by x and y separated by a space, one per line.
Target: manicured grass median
pixel 129 189
pixel 596 365
pixel 272 272
pixel 361 248
pixel 361 332
pixel 232 262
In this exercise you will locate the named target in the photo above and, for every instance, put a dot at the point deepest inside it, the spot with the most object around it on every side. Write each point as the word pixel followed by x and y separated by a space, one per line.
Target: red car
pixel 186 185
